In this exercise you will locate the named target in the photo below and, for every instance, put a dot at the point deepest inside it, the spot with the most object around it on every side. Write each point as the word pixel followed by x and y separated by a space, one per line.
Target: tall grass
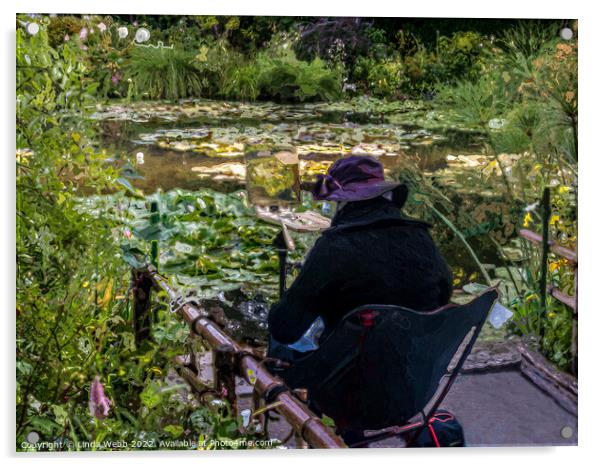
pixel 163 73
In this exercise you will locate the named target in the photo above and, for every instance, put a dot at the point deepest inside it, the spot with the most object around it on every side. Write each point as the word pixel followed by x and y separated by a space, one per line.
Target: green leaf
pixel 151 395
pixel 174 430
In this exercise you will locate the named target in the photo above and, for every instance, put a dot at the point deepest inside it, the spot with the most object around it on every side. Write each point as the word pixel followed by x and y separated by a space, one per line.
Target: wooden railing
pixel 549 246
pixel 230 359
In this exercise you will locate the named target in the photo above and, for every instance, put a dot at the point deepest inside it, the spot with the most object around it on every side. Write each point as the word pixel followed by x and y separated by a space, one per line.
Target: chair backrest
pixel 382 364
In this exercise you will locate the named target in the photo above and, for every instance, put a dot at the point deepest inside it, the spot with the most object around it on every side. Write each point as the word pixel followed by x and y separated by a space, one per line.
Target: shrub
pixel 379 78
pixel 458 57
pixel 163 73
pixel 284 78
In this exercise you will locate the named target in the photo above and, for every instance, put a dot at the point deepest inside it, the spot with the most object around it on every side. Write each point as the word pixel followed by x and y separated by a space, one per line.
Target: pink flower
pixel 66 38
pixel 127 233
pixel 116 78
pixel 99 403
pixel 83 33
pixel 102 27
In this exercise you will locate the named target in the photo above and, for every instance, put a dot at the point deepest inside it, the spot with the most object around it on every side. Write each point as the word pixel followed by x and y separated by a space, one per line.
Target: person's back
pixel 370 255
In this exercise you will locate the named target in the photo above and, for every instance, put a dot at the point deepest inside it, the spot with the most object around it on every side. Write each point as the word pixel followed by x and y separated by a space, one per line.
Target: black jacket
pixel 370 255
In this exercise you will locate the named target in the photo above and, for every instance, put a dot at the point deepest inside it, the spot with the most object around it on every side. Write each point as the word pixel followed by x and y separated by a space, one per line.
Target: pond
pixel 194 159
pixel 201 143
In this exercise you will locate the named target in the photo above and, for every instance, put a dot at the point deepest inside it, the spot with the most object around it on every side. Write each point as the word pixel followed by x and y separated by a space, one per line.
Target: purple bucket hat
pixel 354 178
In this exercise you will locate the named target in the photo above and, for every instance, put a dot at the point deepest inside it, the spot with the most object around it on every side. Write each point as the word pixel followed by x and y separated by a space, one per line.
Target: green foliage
pixel 274 74
pixel 159 72
pixel 382 78
pixel 525 104
pixel 414 70
pixel 475 103
pixel 66 308
pixel 283 77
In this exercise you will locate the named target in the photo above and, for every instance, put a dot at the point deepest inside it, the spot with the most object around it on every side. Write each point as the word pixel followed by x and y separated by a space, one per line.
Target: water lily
pixel 122 32
pixel 99 403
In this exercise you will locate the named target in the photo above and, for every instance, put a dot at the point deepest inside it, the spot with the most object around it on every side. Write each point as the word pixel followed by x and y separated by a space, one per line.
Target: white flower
pixel 27 59
pixel 102 27
pixel 566 33
pixel 142 35
pixel 140 158
pixel 32 28
pixel 497 123
pixel 83 33
pixel 531 207
pixel 122 32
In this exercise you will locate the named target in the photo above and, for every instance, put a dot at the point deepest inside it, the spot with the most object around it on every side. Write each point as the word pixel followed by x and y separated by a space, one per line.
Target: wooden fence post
pixel 141 288
pixel 545 250
pixel 225 366
pixel 154 219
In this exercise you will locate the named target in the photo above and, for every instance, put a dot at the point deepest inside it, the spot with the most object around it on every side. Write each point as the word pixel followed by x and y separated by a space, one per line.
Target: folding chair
pixel 384 370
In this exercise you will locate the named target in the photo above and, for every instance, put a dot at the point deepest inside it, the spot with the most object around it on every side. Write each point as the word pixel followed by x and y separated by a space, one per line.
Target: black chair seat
pixel 382 364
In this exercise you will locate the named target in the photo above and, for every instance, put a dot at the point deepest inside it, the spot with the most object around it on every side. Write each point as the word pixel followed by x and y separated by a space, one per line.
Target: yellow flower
pixel 564 189
pixel 554 266
pixel 554 219
pixel 528 219
pixel 85 284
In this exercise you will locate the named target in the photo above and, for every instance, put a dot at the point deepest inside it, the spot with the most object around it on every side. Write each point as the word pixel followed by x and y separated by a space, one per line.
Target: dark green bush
pixel 285 78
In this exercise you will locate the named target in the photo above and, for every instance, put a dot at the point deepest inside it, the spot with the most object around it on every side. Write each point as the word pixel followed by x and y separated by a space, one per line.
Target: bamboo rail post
pixel 280 244
pixel 154 219
pixel 141 289
pixel 574 340
pixel 543 291
pixel 299 440
pixel 224 369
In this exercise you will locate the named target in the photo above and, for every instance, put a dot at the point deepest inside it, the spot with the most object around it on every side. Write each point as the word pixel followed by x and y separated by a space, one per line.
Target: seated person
pixel 369 255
